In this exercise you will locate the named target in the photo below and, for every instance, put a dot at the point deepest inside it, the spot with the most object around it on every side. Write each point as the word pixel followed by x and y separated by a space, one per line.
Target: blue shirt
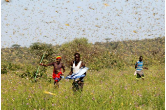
pixel 139 66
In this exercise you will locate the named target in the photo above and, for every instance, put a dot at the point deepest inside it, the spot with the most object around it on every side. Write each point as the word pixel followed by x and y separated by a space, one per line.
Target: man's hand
pixel 145 68
pixel 70 73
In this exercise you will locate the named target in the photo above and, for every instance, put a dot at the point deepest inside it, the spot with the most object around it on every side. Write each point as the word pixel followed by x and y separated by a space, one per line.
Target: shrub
pixel 3 71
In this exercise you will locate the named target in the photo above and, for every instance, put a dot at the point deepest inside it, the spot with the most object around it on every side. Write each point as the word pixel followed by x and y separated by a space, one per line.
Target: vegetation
pixel 103 90
pixel 109 82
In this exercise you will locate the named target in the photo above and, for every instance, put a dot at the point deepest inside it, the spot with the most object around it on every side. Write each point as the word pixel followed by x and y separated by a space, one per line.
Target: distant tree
pixel 98 43
pixel 15 46
pixel 107 39
pixel 114 45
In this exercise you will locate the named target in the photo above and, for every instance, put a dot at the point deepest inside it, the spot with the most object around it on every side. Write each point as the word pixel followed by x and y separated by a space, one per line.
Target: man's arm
pixel 82 64
pixel 145 68
pixel 136 65
pixel 50 64
pixel 63 67
pixel 71 64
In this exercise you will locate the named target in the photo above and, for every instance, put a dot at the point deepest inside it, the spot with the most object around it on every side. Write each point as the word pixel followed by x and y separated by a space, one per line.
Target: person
pixel 75 66
pixel 57 71
pixel 139 68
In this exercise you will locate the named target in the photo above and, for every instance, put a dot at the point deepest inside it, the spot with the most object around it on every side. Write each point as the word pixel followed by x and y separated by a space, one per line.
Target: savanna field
pixel 110 83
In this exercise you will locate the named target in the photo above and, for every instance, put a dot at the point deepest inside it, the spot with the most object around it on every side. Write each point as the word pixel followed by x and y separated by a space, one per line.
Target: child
pixel 139 67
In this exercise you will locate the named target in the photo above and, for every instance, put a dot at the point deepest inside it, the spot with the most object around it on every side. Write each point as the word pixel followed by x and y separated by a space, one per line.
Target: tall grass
pixel 103 90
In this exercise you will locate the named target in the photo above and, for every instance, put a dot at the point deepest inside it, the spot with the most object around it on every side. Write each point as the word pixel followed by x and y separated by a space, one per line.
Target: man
pixel 139 67
pixel 75 67
pixel 57 71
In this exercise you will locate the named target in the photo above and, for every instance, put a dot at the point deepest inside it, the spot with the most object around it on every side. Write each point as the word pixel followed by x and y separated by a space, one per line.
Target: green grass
pixel 107 89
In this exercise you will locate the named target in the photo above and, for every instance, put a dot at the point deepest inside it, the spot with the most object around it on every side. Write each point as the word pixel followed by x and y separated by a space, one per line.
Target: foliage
pixel 41 48
pixel 15 46
pixel 103 90
pixel 116 55
pixel 153 50
pixel 3 68
pixel 68 50
pixel 106 88
pixel 31 71
pixel 95 56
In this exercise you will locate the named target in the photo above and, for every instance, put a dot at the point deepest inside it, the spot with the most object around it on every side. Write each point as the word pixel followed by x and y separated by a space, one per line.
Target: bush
pixel 31 72
pixel 4 71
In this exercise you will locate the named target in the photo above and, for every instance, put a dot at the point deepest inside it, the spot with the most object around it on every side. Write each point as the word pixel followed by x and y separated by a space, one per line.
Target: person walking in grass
pixel 76 65
pixel 139 68
pixel 57 70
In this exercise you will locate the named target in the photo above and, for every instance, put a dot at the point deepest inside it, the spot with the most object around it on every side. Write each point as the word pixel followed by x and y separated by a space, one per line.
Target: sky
pixel 24 22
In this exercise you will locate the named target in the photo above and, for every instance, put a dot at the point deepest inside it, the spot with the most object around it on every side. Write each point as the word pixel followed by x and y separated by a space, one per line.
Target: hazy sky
pixel 24 22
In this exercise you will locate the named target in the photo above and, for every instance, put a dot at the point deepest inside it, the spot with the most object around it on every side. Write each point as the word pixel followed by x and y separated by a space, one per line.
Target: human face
pixel 140 58
pixel 77 58
pixel 58 60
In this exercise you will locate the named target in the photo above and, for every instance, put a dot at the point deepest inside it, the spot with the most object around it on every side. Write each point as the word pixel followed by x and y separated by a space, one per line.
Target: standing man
pixel 57 71
pixel 75 67
pixel 139 68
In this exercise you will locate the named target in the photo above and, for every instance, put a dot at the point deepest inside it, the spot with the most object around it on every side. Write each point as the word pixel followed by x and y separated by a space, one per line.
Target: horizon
pixel 88 42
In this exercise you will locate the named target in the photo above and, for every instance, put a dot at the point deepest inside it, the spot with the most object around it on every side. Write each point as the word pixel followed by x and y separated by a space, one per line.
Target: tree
pixel 15 46
pixel 40 48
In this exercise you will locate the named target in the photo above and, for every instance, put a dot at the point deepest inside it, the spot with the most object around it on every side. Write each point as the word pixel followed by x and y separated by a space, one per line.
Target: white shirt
pixel 76 68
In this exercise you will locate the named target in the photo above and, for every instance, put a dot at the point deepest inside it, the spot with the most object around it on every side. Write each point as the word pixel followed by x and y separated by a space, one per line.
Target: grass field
pixel 107 89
